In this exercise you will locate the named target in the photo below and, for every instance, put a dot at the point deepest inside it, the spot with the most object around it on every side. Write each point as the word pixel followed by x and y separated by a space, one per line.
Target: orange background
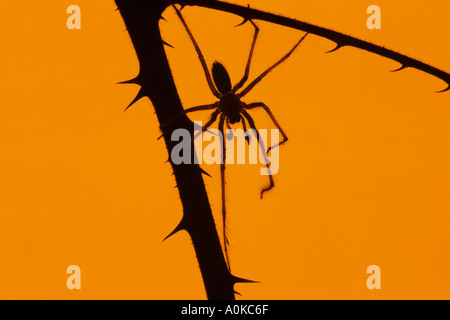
pixel 364 178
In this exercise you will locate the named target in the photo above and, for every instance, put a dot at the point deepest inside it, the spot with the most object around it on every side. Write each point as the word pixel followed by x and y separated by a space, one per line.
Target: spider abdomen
pixel 231 107
pixel 221 78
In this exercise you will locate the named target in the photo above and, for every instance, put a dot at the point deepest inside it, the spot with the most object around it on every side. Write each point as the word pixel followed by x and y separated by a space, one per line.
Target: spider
pixel 232 109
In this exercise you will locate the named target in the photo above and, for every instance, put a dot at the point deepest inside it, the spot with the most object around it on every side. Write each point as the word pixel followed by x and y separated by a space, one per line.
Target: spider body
pixel 221 78
pixel 231 106
pixel 231 109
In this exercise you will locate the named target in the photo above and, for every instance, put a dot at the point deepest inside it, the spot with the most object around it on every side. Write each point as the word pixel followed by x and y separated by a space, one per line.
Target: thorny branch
pixel 341 40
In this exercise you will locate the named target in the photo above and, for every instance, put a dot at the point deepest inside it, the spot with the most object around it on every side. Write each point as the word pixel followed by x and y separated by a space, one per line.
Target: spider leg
pixel 208 124
pixel 228 124
pixel 229 127
pixel 222 183
pixel 188 110
pixel 263 150
pixel 266 108
pixel 257 80
pixel 200 55
pixel 244 126
pixel 247 68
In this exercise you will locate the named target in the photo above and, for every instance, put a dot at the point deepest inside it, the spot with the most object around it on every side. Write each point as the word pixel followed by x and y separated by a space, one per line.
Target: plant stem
pixel 155 78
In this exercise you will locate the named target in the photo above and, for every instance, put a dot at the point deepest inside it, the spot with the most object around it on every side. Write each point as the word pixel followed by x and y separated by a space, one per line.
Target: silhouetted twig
pixel 339 38
pixel 155 78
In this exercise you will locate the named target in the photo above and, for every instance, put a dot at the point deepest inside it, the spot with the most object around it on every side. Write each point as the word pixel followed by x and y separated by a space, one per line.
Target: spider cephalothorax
pixel 231 109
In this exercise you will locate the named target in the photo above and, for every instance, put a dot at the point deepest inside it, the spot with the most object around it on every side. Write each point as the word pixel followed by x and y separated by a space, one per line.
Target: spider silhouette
pixel 232 109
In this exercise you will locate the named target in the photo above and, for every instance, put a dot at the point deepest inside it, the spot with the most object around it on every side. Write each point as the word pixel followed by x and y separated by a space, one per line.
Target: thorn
pixel 338 46
pixel 401 68
pixel 139 96
pixel 446 89
pixel 159 138
pixel 242 23
pixel 176 186
pixel 242 280
pixel 235 292
pixel 182 6
pixel 245 19
pixel 178 228
pixel 204 172
pixel 131 81
pixel 162 18
pixel 168 44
